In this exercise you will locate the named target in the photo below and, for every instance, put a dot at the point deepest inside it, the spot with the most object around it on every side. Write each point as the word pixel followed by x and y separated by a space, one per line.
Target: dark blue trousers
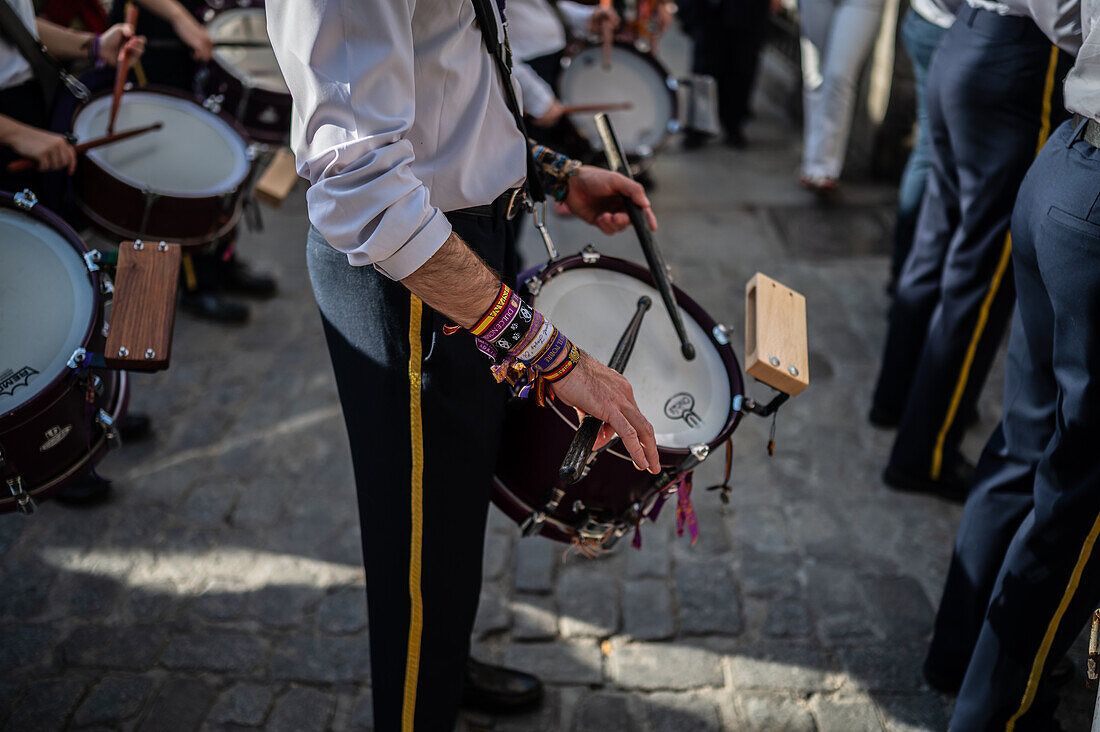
pixel 994 93
pixel 1025 575
pixel 423 417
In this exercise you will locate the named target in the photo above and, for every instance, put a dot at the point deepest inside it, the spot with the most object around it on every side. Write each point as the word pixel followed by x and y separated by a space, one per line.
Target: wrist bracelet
pixel 558 346
pixel 566 366
pixel 514 329
pixel 494 311
pixel 538 342
pixel 93 49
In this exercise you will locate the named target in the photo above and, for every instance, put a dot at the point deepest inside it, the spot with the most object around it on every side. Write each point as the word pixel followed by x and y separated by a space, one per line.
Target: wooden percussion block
pixel 144 307
pixel 278 180
pixel 776 351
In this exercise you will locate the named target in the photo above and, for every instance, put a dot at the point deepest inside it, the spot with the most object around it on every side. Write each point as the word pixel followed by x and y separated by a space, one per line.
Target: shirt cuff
pixel 417 250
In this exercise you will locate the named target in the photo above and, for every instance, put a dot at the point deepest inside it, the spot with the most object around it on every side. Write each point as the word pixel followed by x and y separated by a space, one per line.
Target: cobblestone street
pixel 222 586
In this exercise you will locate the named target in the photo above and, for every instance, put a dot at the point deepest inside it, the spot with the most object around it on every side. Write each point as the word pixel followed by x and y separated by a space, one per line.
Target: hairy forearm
pixel 455 282
pixel 62 42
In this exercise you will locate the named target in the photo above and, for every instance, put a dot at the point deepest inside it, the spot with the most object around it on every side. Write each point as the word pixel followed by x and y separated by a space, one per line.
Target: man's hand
pixel 117 37
pixel 551 116
pixel 596 197
pixel 602 18
pixel 595 389
pixel 195 36
pixel 50 151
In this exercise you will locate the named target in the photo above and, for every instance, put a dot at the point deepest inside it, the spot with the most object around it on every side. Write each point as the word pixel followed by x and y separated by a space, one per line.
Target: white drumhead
pixel 46 305
pixel 630 77
pixel 255 66
pixel 196 154
pixel 688 402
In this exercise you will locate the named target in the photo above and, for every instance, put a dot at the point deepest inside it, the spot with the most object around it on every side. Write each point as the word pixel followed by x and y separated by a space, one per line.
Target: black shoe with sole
pixel 239 279
pixel 88 491
pixel 882 418
pixel 499 690
pixel 208 306
pixel 135 426
pixel 953 485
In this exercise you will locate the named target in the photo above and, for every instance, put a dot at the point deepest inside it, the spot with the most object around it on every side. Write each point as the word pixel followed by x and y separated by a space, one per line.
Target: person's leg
pixel 918 291
pixel 423 415
pixel 1002 118
pixel 1049 582
pixel 920 37
pixel 815 17
pixel 747 24
pixel 852 34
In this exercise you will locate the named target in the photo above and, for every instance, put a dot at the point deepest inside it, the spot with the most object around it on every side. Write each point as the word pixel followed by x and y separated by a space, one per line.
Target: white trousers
pixel 837 36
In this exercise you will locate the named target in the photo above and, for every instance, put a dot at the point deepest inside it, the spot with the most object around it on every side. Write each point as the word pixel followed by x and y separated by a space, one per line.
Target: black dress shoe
pixel 736 139
pixel 88 491
pixel 941 681
pixel 208 306
pixel 238 278
pixel 694 139
pixel 135 426
pixel 953 485
pixel 499 690
pixel 882 418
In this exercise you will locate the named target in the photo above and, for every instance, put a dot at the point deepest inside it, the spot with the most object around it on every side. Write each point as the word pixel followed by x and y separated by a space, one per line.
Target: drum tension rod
pixel 771 409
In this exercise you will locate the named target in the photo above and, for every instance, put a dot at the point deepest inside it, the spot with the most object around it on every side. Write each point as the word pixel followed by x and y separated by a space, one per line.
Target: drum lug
pixel 26 200
pixel 589 255
pixel 720 333
pixel 213 103
pixel 92 260
pixel 107 288
pixel 534 285
pixel 106 421
pixel 77 359
pixel 534 522
pixel 22 499
pixel 700 451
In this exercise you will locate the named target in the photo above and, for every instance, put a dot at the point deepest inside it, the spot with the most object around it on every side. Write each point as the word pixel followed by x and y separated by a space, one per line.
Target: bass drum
pixel 689 403
pixel 56 417
pixel 182 183
pixel 245 79
pixel 631 76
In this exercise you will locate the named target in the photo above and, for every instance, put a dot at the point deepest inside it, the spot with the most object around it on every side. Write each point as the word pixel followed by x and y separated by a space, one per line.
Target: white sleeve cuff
pixel 417 250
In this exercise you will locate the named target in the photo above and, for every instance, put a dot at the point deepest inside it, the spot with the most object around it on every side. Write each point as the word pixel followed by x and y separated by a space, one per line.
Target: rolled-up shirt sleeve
pixel 349 67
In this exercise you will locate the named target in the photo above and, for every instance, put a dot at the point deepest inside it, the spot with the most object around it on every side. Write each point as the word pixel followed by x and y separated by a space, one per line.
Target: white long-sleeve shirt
pixel 14 69
pixel 534 30
pixel 399 115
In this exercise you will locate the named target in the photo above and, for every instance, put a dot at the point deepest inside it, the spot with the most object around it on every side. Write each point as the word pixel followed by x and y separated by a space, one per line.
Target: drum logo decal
pixel 12 380
pixel 54 436
pixel 682 406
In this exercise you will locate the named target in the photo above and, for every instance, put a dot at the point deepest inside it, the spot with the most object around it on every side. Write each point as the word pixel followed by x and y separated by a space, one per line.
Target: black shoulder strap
pixel 48 71
pixel 487 21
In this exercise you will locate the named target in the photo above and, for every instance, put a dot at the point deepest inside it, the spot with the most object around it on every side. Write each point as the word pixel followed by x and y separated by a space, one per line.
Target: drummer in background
pixel 214 270
pixel 24 110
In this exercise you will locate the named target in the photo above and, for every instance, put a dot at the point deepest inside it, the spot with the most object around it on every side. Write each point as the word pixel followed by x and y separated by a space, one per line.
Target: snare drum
pixel 183 182
pixel 56 418
pixel 690 403
pixel 633 77
pixel 247 79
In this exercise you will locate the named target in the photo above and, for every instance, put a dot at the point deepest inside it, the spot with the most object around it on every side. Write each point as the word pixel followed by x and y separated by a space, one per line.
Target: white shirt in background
pixel 535 30
pixel 940 12
pixel 387 144
pixel 14 69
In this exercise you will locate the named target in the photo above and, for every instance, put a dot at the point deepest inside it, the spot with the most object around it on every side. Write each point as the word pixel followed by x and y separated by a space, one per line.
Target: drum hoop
pixel 232 69
pixel 92 456
pixel 135 185
pixel 669 85
pixel 55 222
pixel 186 243
pixel 692 308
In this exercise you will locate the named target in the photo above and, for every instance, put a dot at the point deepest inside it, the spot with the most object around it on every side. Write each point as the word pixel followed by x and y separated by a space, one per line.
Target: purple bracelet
pixel 558 345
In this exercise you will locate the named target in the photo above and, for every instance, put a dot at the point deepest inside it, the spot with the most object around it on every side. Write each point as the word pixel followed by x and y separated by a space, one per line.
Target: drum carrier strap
pixel 48 71
pixel 502 56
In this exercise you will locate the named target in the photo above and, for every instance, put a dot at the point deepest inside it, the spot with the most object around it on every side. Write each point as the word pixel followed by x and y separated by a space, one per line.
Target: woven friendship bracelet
pixel 557 346
pixel 495 310
pixel 566 366
pixel 557 169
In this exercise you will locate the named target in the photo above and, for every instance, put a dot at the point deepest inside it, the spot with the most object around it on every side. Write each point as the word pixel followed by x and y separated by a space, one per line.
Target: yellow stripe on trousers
pixel 416 600
pixel 994 286
pixel 1048 638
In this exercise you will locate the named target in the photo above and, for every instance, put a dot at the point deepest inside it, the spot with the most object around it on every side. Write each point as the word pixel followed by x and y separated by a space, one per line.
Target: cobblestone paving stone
pixel 222 587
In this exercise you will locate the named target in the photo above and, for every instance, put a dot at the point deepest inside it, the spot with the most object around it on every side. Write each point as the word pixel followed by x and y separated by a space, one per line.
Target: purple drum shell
pixel 119 207
pixel 46 440
pixel 536 438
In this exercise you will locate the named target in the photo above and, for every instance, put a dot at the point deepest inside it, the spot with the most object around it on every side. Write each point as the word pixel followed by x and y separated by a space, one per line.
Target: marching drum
pixel 689 403
pixel 633 77
pixel 56 417
pixel 183 182
pixel 245 80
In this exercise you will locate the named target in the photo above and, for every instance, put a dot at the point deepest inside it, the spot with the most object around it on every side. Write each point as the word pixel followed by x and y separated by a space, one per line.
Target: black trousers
pixel 1025 575
pixel 22 103
pixel 728 37
pixel 423 417
pixel 994 94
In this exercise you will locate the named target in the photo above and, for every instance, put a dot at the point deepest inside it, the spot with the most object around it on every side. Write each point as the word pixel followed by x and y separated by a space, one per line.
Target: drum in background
pixel 690 403
pixel 183 182
pixel 56 417
pixel 245 81
pixel 633 77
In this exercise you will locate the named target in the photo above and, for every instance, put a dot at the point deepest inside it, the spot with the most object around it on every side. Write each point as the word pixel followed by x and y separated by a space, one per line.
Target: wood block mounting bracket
pixel 144 308
pixel 776 350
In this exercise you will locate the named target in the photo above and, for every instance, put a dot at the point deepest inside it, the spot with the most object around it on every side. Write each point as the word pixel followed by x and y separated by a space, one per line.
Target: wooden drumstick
pixel 576 457
pixel 123 67
pixel 616 161
pixel 597 107
pixel 18 166
pixel 608 34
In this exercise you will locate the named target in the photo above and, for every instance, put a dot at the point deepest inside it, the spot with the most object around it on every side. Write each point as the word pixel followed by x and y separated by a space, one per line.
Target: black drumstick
pixel 576 457
pixel 616 161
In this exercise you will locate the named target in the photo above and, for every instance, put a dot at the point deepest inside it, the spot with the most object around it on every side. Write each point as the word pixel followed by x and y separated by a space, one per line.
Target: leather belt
pixel 507 206
pixel 1091 132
